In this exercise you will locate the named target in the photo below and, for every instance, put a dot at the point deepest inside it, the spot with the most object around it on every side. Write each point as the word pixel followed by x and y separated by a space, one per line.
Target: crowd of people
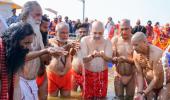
pixel 39 60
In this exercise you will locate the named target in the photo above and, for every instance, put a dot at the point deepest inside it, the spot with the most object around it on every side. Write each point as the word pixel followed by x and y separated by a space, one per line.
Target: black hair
pixel 15 53
pixel 82 25
pixel 45 18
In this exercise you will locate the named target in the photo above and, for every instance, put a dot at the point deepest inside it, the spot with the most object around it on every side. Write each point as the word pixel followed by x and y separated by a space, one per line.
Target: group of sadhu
pixel 73 63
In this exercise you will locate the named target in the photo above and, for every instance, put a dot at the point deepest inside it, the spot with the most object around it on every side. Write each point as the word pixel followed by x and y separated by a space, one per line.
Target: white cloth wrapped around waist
pixel 29 89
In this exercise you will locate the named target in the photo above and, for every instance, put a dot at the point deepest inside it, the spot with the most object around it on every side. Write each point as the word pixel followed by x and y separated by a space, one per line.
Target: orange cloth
pixel 78 79
pixel 111 33
pixel 150 39
pixel 162 44
pixel 56 82
pixel 40 79
pixel 157 31
pixel 95 84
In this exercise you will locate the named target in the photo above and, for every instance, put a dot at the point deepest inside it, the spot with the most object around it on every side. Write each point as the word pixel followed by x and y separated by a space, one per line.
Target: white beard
pixel 63 40
pixel 36 27
pixel 32 21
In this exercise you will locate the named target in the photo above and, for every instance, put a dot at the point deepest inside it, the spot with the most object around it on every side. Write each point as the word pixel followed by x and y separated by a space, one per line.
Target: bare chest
pixel 96 46
pixel 124 49
pixel 58 64
pixel 146 64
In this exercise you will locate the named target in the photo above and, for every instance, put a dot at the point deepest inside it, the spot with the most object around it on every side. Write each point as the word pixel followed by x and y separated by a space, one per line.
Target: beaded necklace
pixel 147 58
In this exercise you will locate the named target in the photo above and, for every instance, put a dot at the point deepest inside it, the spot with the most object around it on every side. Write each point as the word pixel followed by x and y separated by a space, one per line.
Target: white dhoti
pixel 29 89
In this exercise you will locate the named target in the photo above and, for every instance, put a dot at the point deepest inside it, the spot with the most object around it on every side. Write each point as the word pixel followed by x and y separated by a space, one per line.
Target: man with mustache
pixel 125 70
pixel 15 43
pixel 41 79
pixel 94 50
pixel 152 81
pixel 59 69
pixel 77 64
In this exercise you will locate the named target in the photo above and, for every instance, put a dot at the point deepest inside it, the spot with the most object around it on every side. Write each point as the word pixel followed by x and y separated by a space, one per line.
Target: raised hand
pixel 75 45
pixel 57 51
pixel 121 59
pixel 96 53
pixel 102 53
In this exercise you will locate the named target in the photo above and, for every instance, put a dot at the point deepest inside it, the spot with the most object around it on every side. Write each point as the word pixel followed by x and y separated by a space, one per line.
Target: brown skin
pixel 122 56
pixel 96 48
pixel 42 90
pixel 30 72
pixel 36 14
pixel 56 65
pixel 95 51
pixel 77 64
pixel 44 26
pixel 26 43
pixel 151 70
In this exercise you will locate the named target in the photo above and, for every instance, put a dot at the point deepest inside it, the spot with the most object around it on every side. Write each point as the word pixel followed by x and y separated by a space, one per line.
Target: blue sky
pixel 155 10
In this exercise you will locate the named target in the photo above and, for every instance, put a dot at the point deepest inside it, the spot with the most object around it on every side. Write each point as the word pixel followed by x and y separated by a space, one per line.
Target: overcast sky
pixel 154 10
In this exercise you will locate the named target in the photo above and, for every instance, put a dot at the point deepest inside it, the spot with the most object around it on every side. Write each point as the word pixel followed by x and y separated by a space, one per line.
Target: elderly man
pixel 42 76
pixel 95 51
pixel 77 64
pixel 14 45
pixel 125 70
pixel 59 69
pixel 32 13
pixel 138 27
pixel 149 70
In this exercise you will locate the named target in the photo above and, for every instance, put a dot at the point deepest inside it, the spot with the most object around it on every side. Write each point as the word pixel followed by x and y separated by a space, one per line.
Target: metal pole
pixel 83 9
pixel 83 1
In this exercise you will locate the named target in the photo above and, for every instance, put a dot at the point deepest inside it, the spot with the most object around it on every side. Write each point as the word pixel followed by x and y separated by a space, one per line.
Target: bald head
pixel 139 36
pixel 125 29
pixel 97 26
pixel 138 22
pixel 125 22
